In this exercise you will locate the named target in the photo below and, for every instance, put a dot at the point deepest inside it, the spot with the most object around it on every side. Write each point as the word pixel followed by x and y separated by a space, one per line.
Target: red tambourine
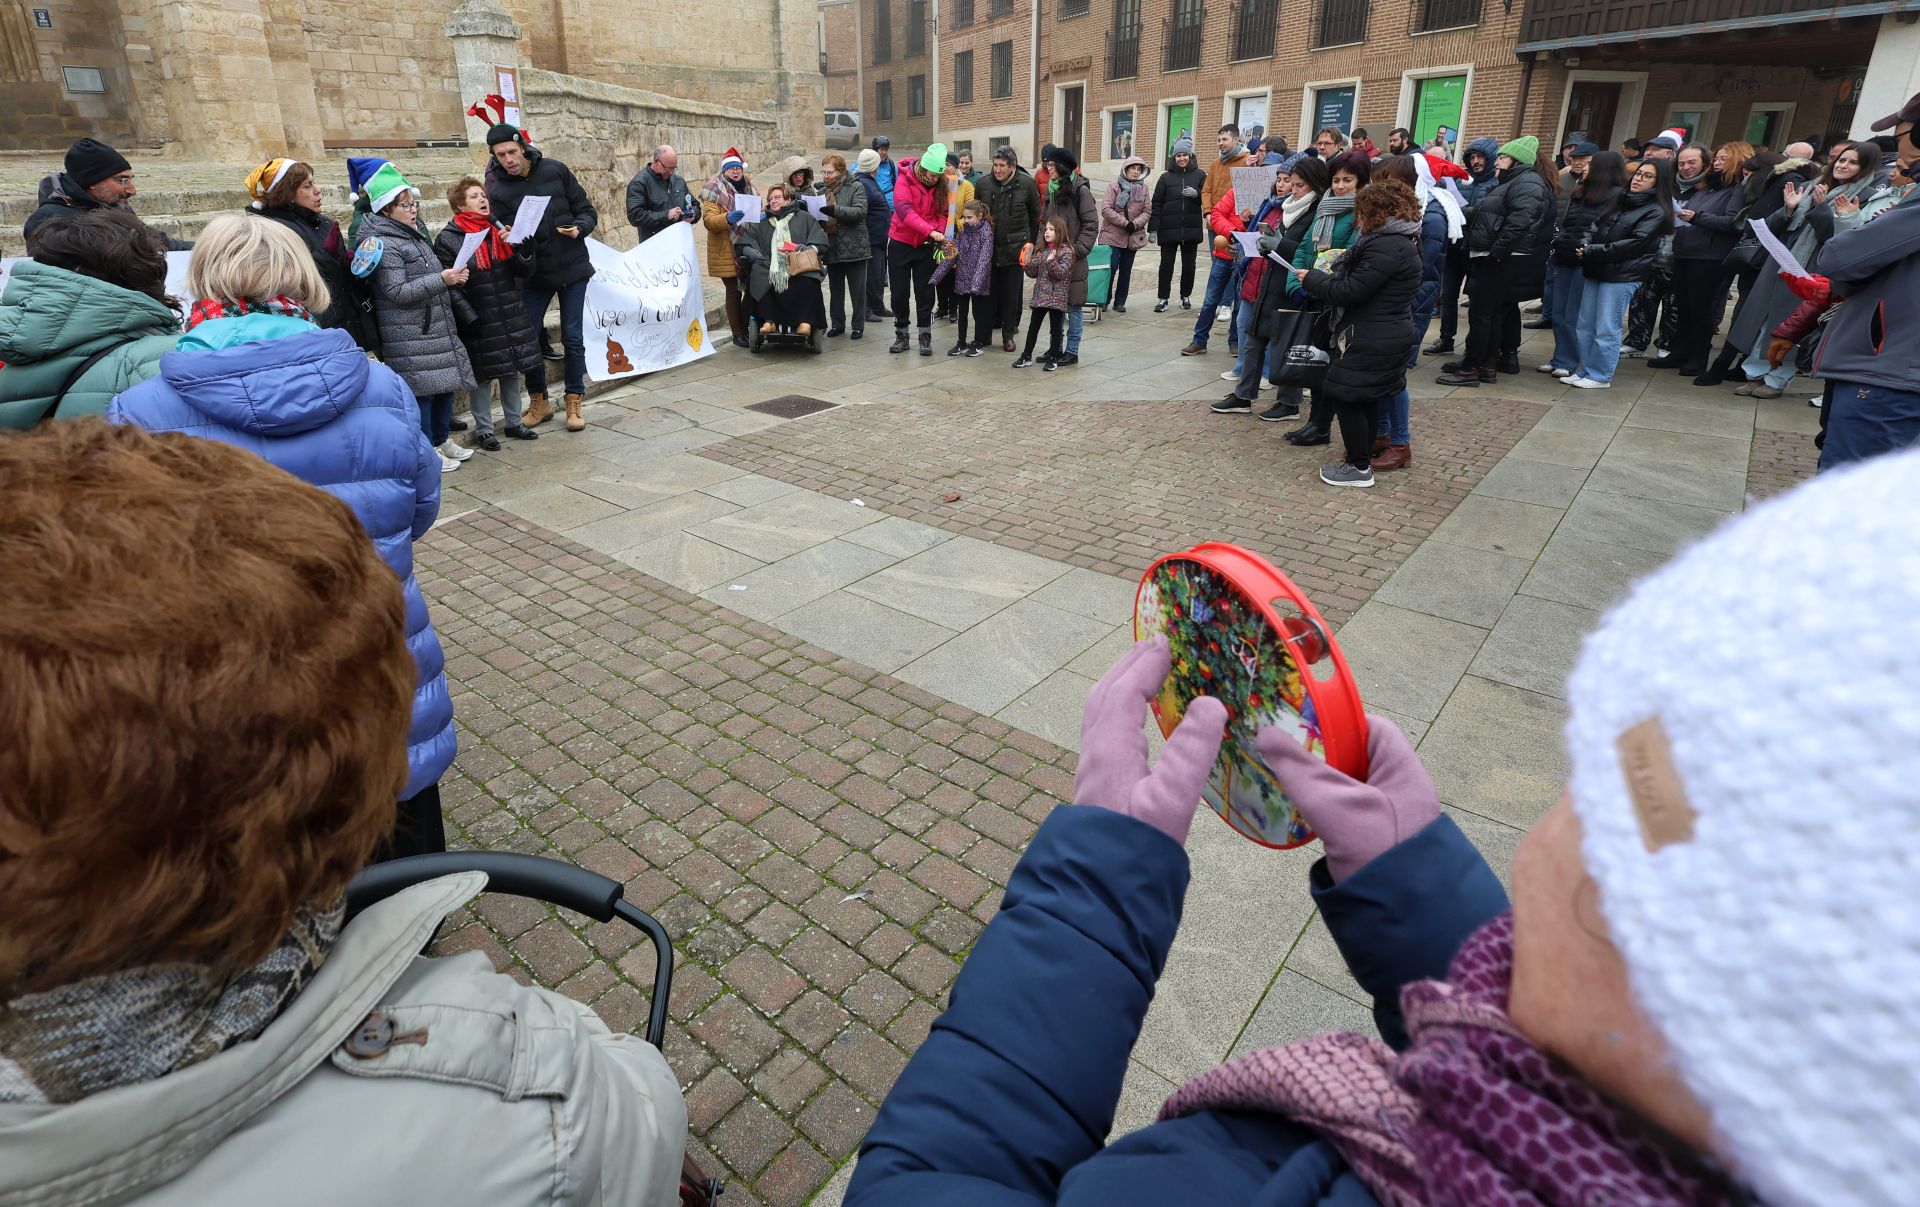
pixel 1242 633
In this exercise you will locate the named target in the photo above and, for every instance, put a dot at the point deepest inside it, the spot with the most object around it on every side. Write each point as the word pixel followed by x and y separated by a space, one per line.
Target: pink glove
pixel 1113 746
pixel 1356 821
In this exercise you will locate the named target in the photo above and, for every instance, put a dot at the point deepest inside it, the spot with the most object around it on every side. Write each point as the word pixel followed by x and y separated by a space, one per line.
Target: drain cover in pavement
pixel 790 406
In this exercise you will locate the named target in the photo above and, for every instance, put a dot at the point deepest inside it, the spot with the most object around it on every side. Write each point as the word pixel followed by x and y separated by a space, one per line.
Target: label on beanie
pixel 1659 798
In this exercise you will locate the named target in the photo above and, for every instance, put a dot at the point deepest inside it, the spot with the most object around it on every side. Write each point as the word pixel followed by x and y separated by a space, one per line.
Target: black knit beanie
pixel 90 161
pixel 502 133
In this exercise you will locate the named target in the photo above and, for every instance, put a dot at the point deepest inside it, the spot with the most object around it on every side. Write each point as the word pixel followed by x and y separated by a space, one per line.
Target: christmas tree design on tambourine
pixel 1216 606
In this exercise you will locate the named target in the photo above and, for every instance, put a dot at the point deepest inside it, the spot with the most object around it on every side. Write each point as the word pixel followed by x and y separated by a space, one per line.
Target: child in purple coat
pixel 1051 267
pixel 972 270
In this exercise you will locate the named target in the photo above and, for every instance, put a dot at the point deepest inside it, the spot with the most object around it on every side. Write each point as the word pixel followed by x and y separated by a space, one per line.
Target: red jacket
pixel 1223 221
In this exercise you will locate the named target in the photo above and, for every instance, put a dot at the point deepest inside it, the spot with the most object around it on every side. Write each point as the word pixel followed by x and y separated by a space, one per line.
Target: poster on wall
pixel 1179 125
pixel 1690 120
pixel 1120 140
pixel 1438 101
pixel 645 310
pixel 1333 109
pixel 1250 111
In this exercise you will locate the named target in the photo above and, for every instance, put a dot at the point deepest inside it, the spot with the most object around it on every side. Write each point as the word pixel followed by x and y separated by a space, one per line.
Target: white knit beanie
pixel 1745 739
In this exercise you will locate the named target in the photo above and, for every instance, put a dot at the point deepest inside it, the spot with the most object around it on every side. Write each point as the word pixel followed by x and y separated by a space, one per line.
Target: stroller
pixel 564 885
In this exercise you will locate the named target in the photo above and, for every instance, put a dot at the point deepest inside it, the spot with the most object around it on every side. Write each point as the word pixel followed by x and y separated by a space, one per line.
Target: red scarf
pixel 207 309
pixel 494 250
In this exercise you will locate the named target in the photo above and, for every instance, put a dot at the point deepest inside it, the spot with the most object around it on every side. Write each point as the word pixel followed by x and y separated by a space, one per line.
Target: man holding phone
pixel 561 266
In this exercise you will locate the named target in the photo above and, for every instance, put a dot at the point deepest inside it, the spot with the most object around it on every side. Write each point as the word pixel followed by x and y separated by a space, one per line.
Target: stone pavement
pixel 813 735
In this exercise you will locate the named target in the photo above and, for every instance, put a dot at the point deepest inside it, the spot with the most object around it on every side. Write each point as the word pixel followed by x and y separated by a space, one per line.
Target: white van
pixel 843 129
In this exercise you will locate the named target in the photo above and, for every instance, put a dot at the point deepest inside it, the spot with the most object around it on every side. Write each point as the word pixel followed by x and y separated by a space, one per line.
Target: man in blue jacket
pixel 1871 353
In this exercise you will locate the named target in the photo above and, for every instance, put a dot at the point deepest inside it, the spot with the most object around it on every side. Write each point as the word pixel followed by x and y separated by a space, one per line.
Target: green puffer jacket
pixel 52 319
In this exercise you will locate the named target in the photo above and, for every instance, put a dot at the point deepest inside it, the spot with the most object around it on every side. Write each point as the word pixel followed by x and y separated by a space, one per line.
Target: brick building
pixel 839 33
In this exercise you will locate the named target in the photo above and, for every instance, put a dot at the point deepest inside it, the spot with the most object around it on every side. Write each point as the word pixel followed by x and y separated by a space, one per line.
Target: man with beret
pixel 97 177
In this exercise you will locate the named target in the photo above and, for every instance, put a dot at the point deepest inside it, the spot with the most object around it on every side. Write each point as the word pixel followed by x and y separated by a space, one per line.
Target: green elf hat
pixel 384 186
pixel 935 159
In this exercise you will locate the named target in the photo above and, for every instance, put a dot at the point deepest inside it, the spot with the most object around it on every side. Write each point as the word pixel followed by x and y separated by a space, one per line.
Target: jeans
pixel 1756 363
pixel 1549 303
pixel 1183 252
pixel 1076 319
pixel 1452 277
pixel 877 281
pixel 480 402
pixel 436 418
pixel 1563 302
pixel 1122 275
pixel 1244 320
pixel 1603 314
pixel 1395 419
pixel 1219 278
pixel 847 284
pixel 573 314
pixel 1866 421
pixel 911 271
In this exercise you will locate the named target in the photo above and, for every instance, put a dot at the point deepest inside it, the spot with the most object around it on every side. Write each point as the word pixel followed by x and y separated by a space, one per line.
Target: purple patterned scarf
pixel 1470 1114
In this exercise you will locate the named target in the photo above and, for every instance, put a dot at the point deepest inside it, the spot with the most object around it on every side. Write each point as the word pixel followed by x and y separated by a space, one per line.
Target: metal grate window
pixel 1254 22
pixel 1448 14
pixel 1340 22
pixel 883 100
pixel 916 27
pixel 1000 70
pixel 963 77
pixel 1183 33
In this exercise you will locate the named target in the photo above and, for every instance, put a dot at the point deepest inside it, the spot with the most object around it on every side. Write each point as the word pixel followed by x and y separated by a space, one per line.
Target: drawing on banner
pixel 1251 186
pixel 645 307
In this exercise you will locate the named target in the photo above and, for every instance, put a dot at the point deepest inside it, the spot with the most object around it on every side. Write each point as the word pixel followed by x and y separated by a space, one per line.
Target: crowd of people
pixel 224 696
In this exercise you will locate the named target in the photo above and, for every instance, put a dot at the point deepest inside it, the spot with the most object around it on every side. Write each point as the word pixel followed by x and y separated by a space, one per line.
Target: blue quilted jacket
pixel 310 402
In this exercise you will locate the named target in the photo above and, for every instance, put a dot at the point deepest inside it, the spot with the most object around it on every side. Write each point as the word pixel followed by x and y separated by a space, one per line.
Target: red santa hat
pixel 732 159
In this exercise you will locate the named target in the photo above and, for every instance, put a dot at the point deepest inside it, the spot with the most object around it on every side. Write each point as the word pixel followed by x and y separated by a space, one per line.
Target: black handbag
pixel 1747 257
pixel 1307 342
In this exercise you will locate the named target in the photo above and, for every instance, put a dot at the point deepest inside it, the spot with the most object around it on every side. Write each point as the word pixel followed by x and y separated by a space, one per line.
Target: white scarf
pixel 1293 207
pixel 1427 191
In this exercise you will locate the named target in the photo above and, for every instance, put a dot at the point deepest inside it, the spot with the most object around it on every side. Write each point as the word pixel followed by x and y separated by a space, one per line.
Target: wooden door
pixel 1592 106
pixel 1073 106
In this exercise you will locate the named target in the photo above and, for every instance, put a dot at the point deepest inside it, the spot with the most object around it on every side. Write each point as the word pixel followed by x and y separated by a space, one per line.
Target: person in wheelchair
pixel 202 737
pixel 785 251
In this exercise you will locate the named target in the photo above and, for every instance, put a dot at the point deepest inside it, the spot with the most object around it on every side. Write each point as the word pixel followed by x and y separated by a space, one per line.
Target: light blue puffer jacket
pixel 310 402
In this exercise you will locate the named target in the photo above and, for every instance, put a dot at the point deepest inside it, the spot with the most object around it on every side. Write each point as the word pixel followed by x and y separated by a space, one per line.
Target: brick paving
pixel 1112 485
pixel 1779 461
pixel 823 841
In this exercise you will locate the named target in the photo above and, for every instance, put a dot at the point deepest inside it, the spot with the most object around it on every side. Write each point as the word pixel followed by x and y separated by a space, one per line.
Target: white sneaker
pixel 447 464
pixel 450 449
pixel 1587 383
pixel 1229 375
pixel 1814 402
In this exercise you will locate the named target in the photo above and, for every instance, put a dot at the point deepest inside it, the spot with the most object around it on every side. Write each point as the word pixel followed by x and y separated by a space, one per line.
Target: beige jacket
pixel 493 1093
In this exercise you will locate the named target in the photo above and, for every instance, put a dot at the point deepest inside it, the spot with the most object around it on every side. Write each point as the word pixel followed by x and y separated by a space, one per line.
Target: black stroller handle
pixel 598 897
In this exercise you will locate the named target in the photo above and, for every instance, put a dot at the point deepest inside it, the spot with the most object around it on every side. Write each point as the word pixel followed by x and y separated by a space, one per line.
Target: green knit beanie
pixel 935 159
pixel 1525 149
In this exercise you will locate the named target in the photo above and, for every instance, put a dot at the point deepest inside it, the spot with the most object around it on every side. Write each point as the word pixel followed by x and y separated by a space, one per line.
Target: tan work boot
pixel 576 422
pixel 537 411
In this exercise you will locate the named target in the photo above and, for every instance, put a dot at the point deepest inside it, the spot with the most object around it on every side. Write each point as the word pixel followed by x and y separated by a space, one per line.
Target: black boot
pixel 900 343
pixel 926 343
pixel 1439 347
pixel 1721 368
pixel 1309 433
pixel 1509 362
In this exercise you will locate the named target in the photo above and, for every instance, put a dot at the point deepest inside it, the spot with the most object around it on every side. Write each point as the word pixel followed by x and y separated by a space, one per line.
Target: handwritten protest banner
pixel 645 309
pixel 1251 186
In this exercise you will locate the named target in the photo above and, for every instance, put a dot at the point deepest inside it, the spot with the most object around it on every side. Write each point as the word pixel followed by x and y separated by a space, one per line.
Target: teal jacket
pixel 1344 233
pixel 52 319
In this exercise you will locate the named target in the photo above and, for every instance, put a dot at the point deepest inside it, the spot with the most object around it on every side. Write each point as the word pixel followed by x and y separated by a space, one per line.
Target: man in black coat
pixel 1013 203
pixel 657 197
pixel 562 267
pixel 96 177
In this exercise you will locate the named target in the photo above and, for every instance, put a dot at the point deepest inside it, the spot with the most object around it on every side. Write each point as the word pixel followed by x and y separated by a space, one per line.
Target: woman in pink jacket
pixel 923 221
pixel 1123 223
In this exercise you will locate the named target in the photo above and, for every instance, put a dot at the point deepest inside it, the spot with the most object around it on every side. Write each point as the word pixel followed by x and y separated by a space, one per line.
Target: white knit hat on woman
pixel 1745 739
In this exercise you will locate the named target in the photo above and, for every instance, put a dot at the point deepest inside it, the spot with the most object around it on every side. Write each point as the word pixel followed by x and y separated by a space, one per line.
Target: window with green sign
pixel 1438 101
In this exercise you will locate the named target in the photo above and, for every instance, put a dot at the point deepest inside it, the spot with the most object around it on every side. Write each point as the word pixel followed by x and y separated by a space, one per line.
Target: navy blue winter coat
pixel 1433 266
pixel 310 402
pixel 1010 1099
pixel 879 210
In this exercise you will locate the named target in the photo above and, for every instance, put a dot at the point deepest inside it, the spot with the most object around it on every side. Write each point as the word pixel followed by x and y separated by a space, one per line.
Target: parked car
pixel 843 129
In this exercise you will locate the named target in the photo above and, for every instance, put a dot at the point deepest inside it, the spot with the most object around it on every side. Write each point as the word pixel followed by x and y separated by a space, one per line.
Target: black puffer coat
pixel 558 260
pixel 1177 218
pixel 494 326
pixel 1511 229
pixel 1576 224
pixel 1625 243
pixel 352 307
pixel 1371 289
pixel 1015 209
pixel 1273 282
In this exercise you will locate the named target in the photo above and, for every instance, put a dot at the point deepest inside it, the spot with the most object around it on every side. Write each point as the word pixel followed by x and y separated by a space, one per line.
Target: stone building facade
pixel 238 79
